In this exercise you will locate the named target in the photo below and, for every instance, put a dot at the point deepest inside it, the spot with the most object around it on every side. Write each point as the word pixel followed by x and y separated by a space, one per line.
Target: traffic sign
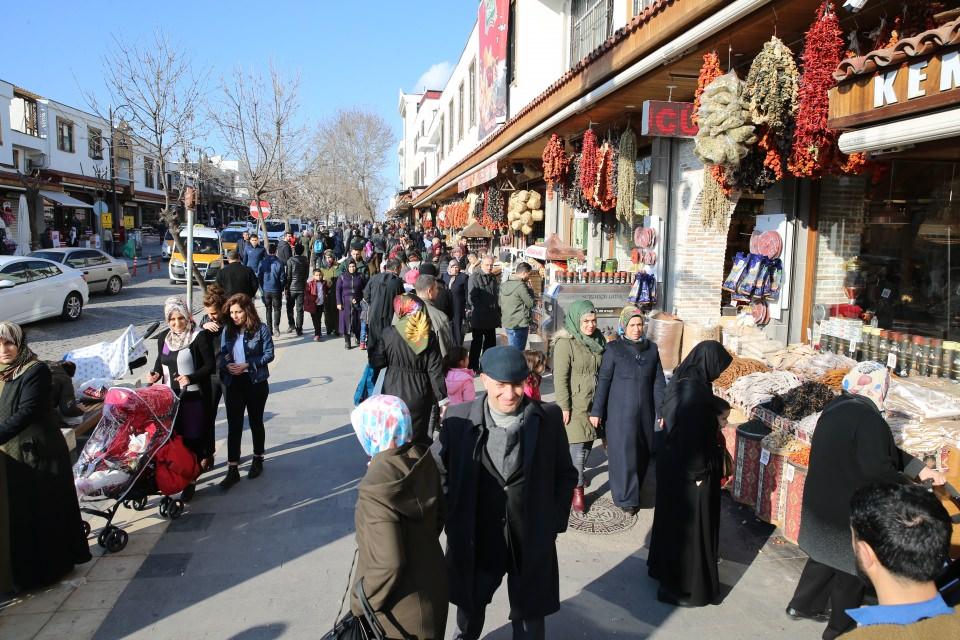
pixel 264 211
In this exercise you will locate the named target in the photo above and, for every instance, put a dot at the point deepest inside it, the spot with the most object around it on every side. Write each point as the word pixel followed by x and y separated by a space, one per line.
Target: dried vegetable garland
pixel 555 166
pixel 709 72
pixel 605 189
pixel 589 164
pixel 627 176
pixel 493 209
pixel 726 131
pixel 715 208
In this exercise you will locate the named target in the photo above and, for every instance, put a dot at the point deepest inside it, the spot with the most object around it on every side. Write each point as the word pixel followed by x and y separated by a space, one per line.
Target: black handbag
pixel 350 627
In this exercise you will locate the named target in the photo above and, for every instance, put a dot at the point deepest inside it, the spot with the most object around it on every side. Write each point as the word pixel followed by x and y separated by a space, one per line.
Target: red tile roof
pixel 919 45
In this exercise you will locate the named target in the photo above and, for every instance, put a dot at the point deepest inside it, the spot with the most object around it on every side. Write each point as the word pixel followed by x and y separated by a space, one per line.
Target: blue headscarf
pixel 382 422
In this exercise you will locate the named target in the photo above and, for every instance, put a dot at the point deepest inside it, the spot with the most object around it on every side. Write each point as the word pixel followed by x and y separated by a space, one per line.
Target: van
pixel 207 255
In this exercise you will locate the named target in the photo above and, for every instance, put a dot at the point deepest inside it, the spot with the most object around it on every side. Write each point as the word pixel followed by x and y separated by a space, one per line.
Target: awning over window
pixel 65 200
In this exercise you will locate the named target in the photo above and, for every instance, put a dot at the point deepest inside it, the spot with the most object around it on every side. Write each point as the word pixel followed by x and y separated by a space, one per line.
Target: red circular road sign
pixel 263 212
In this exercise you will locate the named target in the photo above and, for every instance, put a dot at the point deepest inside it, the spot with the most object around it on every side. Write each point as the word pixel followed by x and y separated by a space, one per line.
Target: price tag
pixel 853 346
pixel 789 472
pixel 764 457
pixel 892 361
pixel 885 293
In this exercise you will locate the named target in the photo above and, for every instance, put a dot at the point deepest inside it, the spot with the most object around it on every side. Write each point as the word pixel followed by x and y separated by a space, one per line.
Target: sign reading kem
pixel 668 119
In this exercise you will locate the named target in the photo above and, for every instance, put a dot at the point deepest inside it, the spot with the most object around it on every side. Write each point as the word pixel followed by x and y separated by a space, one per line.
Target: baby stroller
pixel 132 455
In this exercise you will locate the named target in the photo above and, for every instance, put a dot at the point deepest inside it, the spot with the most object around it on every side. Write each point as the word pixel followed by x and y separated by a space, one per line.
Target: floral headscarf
pixel 381 423
pixel 412 321
pixel 571 322
pixel 628 313
pixel 177 341
pixel 869 379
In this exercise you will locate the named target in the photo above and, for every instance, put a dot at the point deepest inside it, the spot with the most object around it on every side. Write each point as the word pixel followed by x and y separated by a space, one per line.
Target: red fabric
pixel 177 467
pixel 310 296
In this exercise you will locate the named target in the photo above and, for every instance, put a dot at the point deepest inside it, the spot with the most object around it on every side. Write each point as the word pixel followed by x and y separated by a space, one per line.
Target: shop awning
pixel 65 200
pixel 903 133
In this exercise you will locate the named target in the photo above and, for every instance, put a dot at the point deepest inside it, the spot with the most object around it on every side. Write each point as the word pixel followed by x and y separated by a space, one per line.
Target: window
pixel 15 273
pixel 591 22
pixel 65 135
pixel 460 115
pixel 124 170
pixel 38 270
pixel 25 114
pixel 473 93
pixel 16 159
pixel 443 138
pixel 81 259
pixel 639 6
pixel 95 143
pixel 512 45
pixel 452 120
pixel 148 173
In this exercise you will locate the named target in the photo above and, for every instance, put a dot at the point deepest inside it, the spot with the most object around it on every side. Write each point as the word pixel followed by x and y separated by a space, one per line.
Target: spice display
pixel 738 368
pixel 726 131
pixel 799 402
pixel 589 162
pixel 815 365
pixel 757 388
pixel 833 378
pixel 800 456
pixel 556 164
pixel 780 442
pixel 627 176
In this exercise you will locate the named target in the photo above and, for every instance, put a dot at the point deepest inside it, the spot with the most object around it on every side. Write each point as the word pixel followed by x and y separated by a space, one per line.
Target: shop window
pixel 460 115
pixel 148 173
pixel 591 23
pixel 452 120
pixel 888 246
pixel 65 135
pixel 95 143
pixel 473 93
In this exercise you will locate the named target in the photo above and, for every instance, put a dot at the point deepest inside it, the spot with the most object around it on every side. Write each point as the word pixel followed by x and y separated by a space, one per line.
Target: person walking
pixel 272 282
pixel 284 249
pixel 184 364
pixel 349 292
pixel 41 531
pixel 296 274
pixel 379 294
pixel 577 351
pixel 410 353
pixel 456 283
pixel 426 288
pixel 313 302
pixel 852 446
pixel 483 303
pixel 242 247
pixel 246 350
pixel 398 521
pixel 516 305
pixel 684 541
pixel 630 388
pixel 254 253
pixel 508 480
pixel 236 277
pixel 327 264
pixel 441 299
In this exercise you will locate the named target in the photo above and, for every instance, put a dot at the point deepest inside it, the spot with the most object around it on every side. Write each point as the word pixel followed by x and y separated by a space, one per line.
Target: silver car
pixel 102 272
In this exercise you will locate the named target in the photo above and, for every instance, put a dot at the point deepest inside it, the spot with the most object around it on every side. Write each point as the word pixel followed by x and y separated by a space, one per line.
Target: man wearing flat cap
pixel 508 480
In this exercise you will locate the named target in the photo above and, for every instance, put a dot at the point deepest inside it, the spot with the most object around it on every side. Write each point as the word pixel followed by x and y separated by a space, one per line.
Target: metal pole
pixel 189 267
pixel 113 182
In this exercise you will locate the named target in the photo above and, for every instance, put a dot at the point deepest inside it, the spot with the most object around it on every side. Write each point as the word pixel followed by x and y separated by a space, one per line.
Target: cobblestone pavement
pixel 105 317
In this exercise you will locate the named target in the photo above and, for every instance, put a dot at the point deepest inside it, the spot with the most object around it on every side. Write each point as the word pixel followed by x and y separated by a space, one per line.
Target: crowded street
pixel 489 319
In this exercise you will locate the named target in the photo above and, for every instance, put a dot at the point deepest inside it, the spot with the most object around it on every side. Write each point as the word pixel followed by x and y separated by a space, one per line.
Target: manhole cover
pixel 602 517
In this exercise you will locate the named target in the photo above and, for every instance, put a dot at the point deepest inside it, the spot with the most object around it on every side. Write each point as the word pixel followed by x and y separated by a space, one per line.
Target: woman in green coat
pixel 577 352
pixel 41 532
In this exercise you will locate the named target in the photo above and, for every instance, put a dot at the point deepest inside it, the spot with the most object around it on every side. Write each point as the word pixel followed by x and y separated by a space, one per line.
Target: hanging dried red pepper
pixel 555 165
pixel 709 71
pixel 589 163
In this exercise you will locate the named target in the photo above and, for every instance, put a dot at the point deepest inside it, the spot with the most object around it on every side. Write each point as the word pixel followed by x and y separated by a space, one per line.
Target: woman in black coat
pixel 852 446
pixel 456 283
pixel 41 532
pixel 411 355
pixel 629 393
pixel 685 538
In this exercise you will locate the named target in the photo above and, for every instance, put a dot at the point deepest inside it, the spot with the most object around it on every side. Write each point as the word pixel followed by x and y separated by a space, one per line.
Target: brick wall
pixel 840 224
pixel 698 252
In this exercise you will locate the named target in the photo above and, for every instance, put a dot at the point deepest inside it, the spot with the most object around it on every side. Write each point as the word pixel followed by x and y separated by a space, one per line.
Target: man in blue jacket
pixel 272 283
pixel 254 254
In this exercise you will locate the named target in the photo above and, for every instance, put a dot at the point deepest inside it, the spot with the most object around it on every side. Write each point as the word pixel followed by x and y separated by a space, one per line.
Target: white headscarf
pixel 176 341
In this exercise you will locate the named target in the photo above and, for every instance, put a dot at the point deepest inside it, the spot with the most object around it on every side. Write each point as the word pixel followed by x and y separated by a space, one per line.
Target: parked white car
pixel 33 288
pixel 104 274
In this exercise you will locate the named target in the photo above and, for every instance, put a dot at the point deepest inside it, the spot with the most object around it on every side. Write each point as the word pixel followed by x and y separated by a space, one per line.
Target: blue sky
pixel 348 53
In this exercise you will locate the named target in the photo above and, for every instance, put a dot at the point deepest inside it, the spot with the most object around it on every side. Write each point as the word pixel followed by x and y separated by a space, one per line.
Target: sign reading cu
pixel 263 212
pixel 668 119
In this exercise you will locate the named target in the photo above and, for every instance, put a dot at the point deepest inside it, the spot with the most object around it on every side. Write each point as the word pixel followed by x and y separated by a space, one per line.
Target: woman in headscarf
pixel 398 522
pixel 185 363
pixel 577 351
pixel 411 355
pixel 685 539
pixel 629 393
pixel 41 532
pixel 349 294
pixel 852 446
pixel 327 264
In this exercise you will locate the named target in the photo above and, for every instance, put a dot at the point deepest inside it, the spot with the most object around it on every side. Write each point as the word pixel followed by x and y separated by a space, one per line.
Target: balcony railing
pixel 591 24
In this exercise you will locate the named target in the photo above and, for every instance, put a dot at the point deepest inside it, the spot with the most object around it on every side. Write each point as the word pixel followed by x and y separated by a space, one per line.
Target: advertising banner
pixel 494 28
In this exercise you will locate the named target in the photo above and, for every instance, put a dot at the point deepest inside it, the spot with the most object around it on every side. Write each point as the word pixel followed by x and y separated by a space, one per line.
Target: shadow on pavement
pixel 261 632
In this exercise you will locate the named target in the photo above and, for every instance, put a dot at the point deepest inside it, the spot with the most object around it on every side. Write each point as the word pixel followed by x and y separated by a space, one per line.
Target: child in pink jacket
pixel 459 378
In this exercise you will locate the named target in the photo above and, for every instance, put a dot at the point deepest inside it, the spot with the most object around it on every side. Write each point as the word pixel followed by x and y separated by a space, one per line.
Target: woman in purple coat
pixel 349 294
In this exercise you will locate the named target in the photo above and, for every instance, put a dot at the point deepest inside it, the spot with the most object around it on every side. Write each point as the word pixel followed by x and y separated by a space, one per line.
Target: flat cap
pixel 357 243
pixel 504 364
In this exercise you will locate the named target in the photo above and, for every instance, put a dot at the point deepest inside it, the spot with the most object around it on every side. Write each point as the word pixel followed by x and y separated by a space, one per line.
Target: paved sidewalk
pixel 270 558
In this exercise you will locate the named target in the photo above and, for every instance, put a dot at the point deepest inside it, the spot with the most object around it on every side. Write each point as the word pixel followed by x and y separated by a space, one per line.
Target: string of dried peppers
pixel 555 166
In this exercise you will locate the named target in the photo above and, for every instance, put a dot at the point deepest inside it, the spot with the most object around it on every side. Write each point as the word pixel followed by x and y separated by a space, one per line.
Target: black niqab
pixel 704 365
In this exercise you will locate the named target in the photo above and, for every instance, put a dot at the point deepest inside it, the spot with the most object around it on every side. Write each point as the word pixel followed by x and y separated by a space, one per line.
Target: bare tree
pixel 158 97
pixel 33 183
pixel 358 144
pixel 256 121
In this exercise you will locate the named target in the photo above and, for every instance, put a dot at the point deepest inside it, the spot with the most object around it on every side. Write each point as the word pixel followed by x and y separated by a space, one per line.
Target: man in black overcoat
pixel 456 282
pixel 379 294
pixel 508 480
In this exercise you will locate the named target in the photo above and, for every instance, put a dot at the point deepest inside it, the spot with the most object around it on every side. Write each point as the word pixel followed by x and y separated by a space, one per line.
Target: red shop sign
pixel 668 119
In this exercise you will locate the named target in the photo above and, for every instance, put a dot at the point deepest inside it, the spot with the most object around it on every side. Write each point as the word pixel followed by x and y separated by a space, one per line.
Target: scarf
pixel 177 341
pixel 870 380
pixel 25 357
pixel 381 423
pixel 412 322
pixel 571 322
pixel 628 313
pixel 703 365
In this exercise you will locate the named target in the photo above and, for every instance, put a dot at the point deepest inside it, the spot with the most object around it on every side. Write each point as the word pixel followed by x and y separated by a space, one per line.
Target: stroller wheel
pixel 102 538
pixel 164 507
pixel 175 510
pixel 116 540
pixel 86 528
pixel 139 504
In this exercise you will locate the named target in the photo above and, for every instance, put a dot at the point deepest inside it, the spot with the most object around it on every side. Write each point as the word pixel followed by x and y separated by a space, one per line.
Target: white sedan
pixel 34 288
pixel 103 273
